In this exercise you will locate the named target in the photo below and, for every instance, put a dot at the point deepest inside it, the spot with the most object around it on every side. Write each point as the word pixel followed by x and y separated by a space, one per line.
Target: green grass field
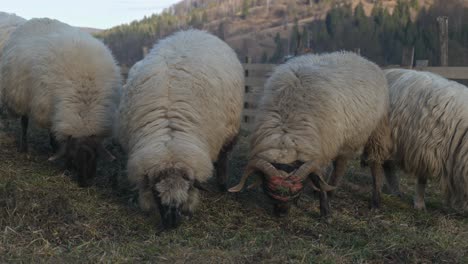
pixel 46 217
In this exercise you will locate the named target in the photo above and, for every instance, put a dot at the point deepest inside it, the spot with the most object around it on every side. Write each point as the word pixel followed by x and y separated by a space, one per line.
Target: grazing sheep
pixel 8 24
pixel 316 109
pixel 180 112
pixel 429 122
pixel 66 81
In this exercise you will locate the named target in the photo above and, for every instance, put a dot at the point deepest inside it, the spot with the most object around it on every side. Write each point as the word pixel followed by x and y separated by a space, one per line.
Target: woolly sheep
pixel 429 121
pixel 180 112
pixel 316 109
pixel 66 81
pixel 8 24
pixel 134 69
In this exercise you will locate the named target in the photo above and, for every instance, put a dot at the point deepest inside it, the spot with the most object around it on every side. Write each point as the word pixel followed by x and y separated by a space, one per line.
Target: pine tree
pixel 245 8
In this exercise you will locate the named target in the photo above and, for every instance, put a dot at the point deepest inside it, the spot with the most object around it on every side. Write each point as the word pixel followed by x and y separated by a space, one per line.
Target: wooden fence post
pixel 357 51
pixel 407 57
pixel 443 39
pixel 245 118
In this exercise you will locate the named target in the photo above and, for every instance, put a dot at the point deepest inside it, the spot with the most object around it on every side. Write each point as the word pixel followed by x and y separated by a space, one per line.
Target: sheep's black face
pixel 175 197
pixel 171 216
pixel 82 155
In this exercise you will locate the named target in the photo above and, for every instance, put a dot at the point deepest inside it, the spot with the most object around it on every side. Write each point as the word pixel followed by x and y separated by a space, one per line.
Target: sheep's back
pixel 184 101
pixel 316 107
pixel 8 24
pixel 63 78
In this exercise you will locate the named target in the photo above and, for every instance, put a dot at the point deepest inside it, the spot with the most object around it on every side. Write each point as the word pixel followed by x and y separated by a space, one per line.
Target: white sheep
pixel 66 81
pixel 134 69
pixel 429 122
pixel 8 24
pixel 316 109
pixel 180 112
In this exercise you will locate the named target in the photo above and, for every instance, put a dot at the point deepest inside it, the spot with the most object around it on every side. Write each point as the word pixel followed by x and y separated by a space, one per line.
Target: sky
pixel 100 14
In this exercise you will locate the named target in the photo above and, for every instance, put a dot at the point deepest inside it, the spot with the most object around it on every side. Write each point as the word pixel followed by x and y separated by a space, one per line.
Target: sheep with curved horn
pixel 316 109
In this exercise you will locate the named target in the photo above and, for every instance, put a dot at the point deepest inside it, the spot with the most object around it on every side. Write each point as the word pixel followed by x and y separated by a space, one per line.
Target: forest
pixel 381 35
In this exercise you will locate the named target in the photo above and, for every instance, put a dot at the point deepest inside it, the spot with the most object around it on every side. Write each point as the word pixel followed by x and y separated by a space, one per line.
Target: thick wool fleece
pixel 61 77
pixel 429 121
pixel 318 107
pixel 181 105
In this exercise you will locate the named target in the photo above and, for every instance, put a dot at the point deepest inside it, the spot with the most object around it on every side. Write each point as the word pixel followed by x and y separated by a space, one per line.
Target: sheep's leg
pixel 23 147
pixel 53 142
pixel 338 172
pixel 324 201
pixel 419 203
pixel 393 180
pixel 222 164
pixel 324 205
pixel 377 182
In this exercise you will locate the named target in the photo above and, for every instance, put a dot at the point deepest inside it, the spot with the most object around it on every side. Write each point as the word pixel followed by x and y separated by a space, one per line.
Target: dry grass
pixel 46 217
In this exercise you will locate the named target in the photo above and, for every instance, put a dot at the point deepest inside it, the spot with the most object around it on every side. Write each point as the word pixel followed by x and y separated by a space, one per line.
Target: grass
pixel 46 217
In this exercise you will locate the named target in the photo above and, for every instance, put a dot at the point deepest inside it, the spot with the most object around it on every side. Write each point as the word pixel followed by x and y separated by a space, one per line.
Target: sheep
pixel 429 124
pixel 316 109
pixel 133 70
pixel 65 81
pixel 180 112
pixel 8 24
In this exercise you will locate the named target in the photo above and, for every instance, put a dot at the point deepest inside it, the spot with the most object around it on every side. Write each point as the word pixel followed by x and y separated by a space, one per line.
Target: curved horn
pixel 256 164
pixel 311 167
pixel 265 167
pixel 306 169
pixel 249 170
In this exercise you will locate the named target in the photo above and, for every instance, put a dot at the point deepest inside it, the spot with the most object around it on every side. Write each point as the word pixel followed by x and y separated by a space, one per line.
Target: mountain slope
pixel 258 27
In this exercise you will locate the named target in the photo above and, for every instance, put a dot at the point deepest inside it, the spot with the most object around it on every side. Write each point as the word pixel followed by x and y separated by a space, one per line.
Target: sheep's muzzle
pixel 171 216
pixel 284 189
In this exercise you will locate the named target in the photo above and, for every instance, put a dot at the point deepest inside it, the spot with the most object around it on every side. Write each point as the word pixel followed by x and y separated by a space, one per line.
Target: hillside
pixel 90 30
pixel 267 30
pixel 252 31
